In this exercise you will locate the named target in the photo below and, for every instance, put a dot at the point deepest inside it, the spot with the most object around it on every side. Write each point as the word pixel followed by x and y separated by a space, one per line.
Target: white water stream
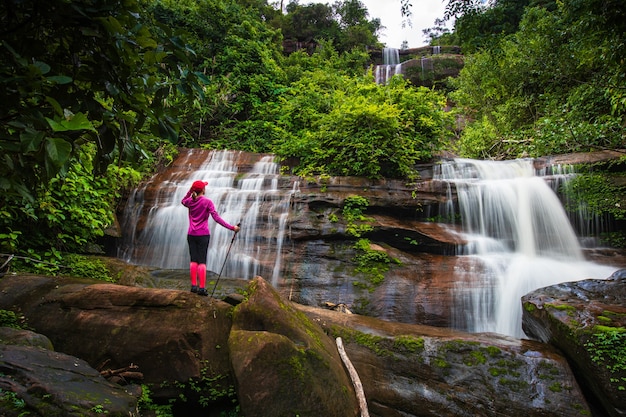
pixel 390 67
pixel 518 239
pixel 238 198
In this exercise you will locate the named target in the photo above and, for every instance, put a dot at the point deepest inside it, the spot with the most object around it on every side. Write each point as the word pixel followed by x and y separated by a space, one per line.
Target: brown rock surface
pixel 170 335
pixel 431 372
pixel 278 359
pixel 47 383
pixel 586 320
pixel 284 363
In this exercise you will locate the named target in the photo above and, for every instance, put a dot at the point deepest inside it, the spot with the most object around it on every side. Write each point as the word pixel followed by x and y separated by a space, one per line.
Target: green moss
pixel 560 307
pixel 377 344
pixel 606 347
pixel 478 358
pixel 530 307
pixel 374 343
pixel 514 384
pixel 608 329
pixel 547 370
pixel 605 320
pixel 298 368
pixel 9 318
pixel 613 314
pixel 409 343
pixel 556 387
pixel 493 351
pixel 441 363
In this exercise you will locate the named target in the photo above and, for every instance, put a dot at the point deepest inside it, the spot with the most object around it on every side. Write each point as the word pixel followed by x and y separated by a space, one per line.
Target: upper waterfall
pixel 390 67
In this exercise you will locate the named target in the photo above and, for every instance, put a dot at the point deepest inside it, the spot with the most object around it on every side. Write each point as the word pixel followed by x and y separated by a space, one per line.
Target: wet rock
pixel 280 359
pixel 170 335
pixel 42 382
pixel 284 363
pixel 414 370
pixel 10 336
pixel 586 320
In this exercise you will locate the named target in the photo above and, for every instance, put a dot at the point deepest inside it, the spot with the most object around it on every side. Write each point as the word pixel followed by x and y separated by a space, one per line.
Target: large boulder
pixel 37 381
pixel 284 363
pixel 586 320
pixel 422 371
pixel 173 337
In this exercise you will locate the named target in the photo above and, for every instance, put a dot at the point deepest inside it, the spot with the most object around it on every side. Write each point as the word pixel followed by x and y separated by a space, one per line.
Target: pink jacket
pixel 199 211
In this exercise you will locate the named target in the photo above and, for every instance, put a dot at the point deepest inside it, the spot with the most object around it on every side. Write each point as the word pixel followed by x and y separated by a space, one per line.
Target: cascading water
pixel 518 238
pixel 390 67
pixel 244 198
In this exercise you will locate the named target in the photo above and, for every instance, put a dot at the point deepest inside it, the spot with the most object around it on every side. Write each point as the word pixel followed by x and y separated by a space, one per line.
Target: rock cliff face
pixel 317 255
pixel 586 320
pixel 278 358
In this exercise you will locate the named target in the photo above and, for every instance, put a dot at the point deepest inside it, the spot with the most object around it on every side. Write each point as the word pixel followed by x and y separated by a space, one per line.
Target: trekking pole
pixel 225 259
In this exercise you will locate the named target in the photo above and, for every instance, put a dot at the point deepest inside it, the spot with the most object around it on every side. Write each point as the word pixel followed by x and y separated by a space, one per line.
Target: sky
pixel 424 13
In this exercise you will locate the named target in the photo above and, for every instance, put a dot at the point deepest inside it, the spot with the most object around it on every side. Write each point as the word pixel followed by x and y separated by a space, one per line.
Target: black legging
pixel 198 247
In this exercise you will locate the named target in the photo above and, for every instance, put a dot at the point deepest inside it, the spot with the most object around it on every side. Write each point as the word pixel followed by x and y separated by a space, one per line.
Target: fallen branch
pixel 356 381
pixel 121 376
pixel 26 258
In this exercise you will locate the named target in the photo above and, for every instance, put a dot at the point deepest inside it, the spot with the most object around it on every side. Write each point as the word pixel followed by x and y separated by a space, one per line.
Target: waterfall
pixel 518 239
pixel 391 66
pixel 251 198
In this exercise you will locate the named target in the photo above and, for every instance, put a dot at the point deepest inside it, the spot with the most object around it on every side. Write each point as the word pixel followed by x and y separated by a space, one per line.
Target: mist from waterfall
pixel 518 239
pixel 238 198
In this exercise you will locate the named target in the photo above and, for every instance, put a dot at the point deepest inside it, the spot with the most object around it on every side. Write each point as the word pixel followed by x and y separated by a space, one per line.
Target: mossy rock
pixel 285 364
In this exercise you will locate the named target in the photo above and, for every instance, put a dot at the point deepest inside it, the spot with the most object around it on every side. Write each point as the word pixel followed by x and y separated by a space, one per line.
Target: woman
pixel 198 235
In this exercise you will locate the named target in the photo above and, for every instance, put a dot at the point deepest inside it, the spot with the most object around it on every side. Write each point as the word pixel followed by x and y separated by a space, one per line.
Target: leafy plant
pixel 339 124
pixel 12 400
pixel 607 348
pixel 68 214
pixel 86 267
pixel 356 222
pixel 146 404
pixel 9 318
pixel 595 194
pixel 373 264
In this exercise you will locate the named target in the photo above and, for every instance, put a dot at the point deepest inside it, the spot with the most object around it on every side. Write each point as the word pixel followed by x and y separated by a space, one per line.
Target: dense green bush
pixel 68 213
pixel 336 124
pixel 540 92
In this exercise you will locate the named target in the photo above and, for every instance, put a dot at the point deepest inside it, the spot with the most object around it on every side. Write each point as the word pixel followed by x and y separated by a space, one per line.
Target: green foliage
pixel 545 89
pixel 356 222
pixel 371 263
pixel 345 24
pixel 86 267
pixel 9 318
pixel 338 124
pixel 408 343
pixel 238 54
pixel 207 390
pixel 12 401
pixel 53 262
pixel 146 405
pixel 80 73
pixel 607 348
pixel 595 194
pixel 69 212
